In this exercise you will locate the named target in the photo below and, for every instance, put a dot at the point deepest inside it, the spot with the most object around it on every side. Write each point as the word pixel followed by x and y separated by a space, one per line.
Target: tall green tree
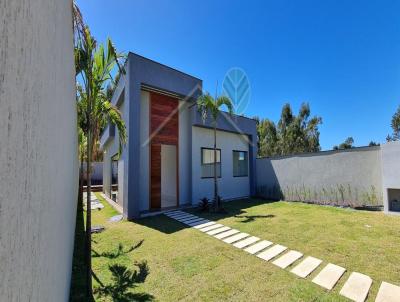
pixel 207 105
pixel 94 65
pixel 292 134
pixel 395 124
pixel 347 144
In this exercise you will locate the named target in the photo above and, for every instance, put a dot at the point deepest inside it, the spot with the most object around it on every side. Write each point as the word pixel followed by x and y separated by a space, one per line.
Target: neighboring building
pixel 38 150
pixel 168 160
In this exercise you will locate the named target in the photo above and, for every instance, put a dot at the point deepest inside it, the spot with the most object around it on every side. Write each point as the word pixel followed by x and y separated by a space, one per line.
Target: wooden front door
pixel 164 129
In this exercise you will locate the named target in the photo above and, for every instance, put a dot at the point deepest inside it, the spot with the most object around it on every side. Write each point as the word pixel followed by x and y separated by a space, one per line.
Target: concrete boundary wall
pixel 38 150
pixel 350 177
pixel 96 172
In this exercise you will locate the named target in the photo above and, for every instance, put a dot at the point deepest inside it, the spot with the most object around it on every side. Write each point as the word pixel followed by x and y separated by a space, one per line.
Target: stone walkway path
pixel 356 288
pixel 94 202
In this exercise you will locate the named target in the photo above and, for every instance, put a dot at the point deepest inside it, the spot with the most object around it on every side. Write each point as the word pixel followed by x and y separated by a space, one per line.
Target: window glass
pixel 240 163
pixel 207 162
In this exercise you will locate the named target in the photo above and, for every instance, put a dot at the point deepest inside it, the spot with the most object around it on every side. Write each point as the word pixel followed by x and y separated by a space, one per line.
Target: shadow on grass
pixel 161 223
pixel 118 252
pixel 78 279
pixel 124 280
pixel 236 208
pixel 250 218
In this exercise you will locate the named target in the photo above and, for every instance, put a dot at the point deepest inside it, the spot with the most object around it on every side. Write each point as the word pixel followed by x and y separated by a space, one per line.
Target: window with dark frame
pixel 207 163
pixel 240 164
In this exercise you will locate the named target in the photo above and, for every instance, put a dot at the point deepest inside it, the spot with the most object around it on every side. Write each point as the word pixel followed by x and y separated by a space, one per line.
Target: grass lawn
pixel 182 264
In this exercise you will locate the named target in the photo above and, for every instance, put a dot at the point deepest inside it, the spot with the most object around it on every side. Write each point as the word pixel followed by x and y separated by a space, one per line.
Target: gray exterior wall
pixel 239 125
pixel 335 176
pixel 390 156
pixel 144 74
pixel 38 150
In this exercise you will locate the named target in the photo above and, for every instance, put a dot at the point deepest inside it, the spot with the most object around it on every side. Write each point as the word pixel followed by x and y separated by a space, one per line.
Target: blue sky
pixel 342 57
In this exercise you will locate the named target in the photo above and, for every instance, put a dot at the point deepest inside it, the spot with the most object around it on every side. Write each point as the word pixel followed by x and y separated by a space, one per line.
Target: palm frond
pixel 224 100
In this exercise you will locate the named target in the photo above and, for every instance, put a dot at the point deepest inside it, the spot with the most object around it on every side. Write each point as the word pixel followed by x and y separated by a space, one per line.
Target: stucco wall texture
pixel 335 176
pixel 38 150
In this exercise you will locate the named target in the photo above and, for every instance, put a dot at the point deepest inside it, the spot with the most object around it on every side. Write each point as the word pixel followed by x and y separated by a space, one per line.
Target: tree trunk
pixel 88 221
pixel 216 199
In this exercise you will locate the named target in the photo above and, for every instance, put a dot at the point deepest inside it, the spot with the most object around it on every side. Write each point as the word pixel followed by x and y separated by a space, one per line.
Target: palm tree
pixel 94 64
pixel 206 104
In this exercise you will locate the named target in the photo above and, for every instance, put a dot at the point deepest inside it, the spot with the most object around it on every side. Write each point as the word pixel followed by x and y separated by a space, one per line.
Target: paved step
pixel 211 227
pixel 194 224
pixel 246 242
pixel 226 234
pixel 272 252
pixel 192 220
pixel 182 216
pixel 203 225
pixel 329 276
pixel 388 293
pixel 175 214
pixel 235 238
pixel 258 247
pixel 287 259
pixel 186 218
pixel 306 267
pixel 357 287
pixel 219 230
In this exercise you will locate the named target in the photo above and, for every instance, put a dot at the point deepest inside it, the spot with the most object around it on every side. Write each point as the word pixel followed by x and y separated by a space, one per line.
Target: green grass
pixel 187 265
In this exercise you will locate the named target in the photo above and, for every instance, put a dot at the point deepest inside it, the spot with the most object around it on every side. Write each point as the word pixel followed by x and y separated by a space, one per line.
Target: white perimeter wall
pixel 38 150
pixel 321 174
pixel 229 187
pixel 390 153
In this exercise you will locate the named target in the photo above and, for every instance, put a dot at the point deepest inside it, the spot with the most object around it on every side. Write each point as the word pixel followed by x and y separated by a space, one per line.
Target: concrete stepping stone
pixel 329 276
pixel 176 214
pixel 226 234
pixel 194 224
pixel 96 205
pixel 191 220
pixel 116 218
pixel 187 217
pixel 187 220
pixel 246 242
pixel 173 212
pixel 272 252
pixel 235 238
pixel 356 287
pixel 211 227
pixel 97 229
pixel 287 259
pixel 306 267
pixel 259 246
pixel 204 225
pixel 388 293
pixel 219 230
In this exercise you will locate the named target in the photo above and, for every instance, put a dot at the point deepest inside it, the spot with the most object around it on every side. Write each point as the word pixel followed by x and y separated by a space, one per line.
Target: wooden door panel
pixel 164 127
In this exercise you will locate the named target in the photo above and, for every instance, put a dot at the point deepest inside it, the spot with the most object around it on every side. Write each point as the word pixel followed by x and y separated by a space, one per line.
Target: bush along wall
pixel 341 195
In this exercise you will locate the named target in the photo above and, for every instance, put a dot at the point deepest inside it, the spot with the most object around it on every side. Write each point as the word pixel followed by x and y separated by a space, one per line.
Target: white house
pixel 168 160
